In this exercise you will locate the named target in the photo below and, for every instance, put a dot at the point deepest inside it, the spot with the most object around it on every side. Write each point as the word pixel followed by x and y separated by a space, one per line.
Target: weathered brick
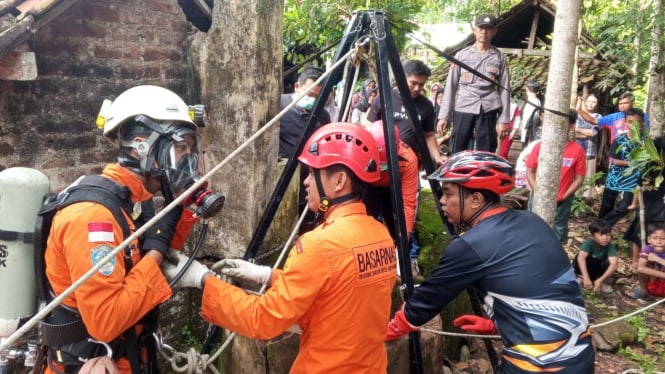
pixel 139 72
pixel 89 70
pixel 115 52
pixel 96 12
pixel 98 155
pixel 160 6
pixel 57 162
pixel 160 54
pixel 79 28
pixel 6 149
pixel 59 46
pixel 104 52
pixel 180 72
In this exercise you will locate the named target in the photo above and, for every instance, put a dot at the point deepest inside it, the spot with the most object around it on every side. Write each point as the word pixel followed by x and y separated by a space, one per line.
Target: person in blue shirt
pixel 615 122
pixel 617 181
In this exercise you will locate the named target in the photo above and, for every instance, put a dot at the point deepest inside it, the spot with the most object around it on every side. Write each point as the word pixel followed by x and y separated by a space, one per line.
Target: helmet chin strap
pixel 325 202
pixel 466 224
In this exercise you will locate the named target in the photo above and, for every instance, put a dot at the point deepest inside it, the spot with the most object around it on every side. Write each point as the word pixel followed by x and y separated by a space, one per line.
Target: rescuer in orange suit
pixel 158 145
pixel 377 197
pixel 337 281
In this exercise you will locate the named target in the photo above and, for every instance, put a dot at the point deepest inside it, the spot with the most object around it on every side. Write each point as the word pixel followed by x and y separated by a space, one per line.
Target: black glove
pixel 159 235
pixel 147 212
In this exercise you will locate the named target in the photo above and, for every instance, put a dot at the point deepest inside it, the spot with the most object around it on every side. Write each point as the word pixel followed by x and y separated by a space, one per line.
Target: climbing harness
pixel 63 331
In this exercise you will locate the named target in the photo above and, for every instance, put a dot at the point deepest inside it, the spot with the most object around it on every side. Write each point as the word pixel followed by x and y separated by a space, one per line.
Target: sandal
pixel 606 289
pixel 637 294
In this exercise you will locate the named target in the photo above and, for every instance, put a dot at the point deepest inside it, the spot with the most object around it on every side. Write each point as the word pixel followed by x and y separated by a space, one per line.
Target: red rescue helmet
pixel 346 144
pixel 477 170
pixel 376 129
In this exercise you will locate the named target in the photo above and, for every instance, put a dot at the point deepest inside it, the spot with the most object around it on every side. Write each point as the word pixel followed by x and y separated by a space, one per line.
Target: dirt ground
pixel 645 356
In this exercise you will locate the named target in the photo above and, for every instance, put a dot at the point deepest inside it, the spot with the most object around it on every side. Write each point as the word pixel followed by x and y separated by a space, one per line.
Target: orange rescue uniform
pixel 336 284
pixel 408 170
pixel 111 301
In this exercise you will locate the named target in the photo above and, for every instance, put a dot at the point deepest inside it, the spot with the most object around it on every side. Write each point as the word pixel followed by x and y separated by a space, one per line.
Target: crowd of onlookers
pixel 473 110
pixel 597 258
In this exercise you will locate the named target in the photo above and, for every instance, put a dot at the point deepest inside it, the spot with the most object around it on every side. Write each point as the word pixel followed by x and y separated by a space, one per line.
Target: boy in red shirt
pixel 572 174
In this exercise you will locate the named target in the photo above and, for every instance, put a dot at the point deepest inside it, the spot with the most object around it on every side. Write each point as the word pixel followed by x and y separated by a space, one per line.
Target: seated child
pixel 650 267
pixel 597 259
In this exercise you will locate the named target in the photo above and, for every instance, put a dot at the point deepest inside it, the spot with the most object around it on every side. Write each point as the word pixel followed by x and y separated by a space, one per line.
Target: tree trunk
pixel 575 78
pixel 239 62
pixel 557 97
pixel 656 84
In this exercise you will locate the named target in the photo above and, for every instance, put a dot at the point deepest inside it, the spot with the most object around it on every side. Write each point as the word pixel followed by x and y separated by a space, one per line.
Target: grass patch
pixel 430 231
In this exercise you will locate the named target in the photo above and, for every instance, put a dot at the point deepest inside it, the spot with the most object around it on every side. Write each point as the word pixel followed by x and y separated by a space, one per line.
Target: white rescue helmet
pixel 158 103
pixel 156 136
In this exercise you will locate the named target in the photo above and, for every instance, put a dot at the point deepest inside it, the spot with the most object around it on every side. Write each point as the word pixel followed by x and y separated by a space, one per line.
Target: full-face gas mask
pixel 172 154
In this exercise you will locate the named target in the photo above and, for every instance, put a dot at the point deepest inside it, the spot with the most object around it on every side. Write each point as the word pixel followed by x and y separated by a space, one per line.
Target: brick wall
pixel 94 50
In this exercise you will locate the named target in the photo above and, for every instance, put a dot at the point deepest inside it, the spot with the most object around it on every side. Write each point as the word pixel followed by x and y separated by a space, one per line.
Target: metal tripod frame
pixel 387 57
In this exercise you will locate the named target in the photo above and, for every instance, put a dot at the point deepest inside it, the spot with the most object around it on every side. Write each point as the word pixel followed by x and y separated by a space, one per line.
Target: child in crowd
pixel 597 259
pixel 651 265
pixel 520 166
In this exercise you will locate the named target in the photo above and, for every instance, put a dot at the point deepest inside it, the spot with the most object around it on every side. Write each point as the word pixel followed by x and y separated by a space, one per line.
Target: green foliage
pixel 430 229
pixel 616 26
pixel 645 159
pixel 468 10
pixel 622 245
pixel 311 25
pixel 640 325
pixel 579 205
pixel 188 338
pixel 593 300
pixel 645 362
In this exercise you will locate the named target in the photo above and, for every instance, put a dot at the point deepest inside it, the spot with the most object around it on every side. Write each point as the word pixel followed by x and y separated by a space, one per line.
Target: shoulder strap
pixel 116 199
pixel 92 188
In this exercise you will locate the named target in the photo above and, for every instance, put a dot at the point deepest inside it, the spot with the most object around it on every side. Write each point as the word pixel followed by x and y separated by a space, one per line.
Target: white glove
pixel 193 277
pixel 244 270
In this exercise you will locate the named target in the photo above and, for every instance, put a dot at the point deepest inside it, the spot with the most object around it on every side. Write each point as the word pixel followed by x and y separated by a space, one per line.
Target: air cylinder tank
pixel 21 193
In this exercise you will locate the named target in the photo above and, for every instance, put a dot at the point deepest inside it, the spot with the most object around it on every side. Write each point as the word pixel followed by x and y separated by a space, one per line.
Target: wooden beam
pixel 9 6
pixel 535 52
pixel 30 25
pixel 534 28
pixel 18 66
pixel 8 37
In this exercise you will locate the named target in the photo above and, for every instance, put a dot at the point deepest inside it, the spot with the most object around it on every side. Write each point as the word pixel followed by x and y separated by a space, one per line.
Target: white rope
pixel 6 343
pixel 628 315
pixel 465 335
pixel 209 361
pixel 287 245
pixel 360 45
pixel 347 105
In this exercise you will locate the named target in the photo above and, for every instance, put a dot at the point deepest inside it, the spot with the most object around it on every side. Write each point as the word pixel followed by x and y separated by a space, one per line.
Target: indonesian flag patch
pixel 100 232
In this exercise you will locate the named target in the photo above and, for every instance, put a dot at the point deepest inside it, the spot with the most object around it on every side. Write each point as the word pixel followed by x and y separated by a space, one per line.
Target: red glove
pixel 475 324
pixel 399 326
